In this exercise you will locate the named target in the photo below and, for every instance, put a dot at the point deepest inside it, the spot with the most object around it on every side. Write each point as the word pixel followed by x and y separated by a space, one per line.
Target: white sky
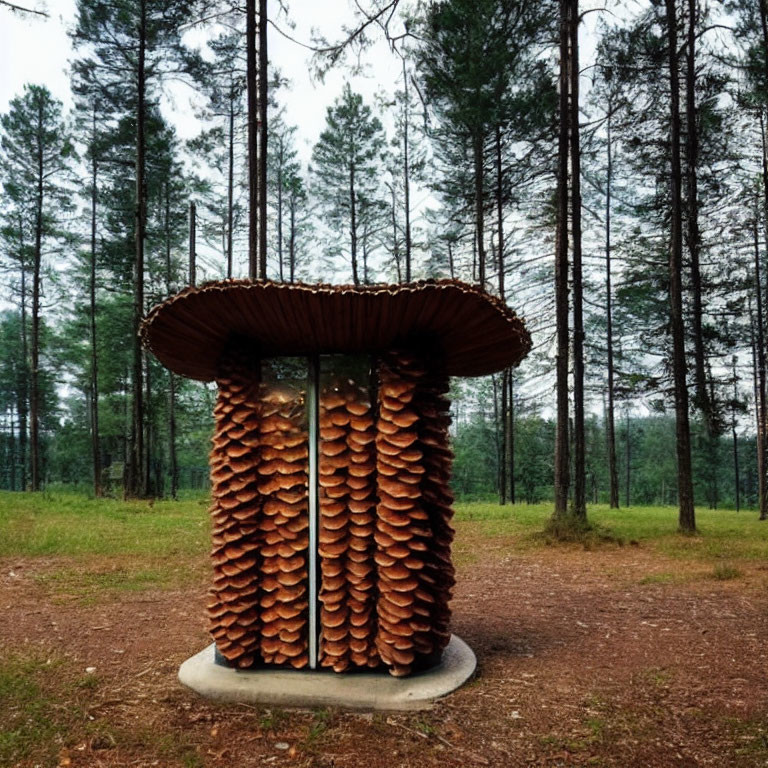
pixel 37 50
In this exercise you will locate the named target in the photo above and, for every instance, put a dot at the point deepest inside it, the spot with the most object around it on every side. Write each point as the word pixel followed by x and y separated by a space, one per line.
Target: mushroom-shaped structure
pixel 330 463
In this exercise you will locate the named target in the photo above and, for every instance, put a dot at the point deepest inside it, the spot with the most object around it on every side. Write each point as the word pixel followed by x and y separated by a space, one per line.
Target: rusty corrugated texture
pixel 478 334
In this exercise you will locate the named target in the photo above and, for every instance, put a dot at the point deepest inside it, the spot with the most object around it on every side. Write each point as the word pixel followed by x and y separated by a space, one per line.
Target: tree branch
pixel 20 9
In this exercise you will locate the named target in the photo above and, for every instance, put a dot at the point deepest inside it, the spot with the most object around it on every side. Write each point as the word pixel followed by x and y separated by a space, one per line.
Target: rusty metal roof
pixel 476 332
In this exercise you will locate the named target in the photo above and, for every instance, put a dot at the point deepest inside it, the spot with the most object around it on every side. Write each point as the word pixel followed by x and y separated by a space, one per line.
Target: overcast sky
pixel 38 50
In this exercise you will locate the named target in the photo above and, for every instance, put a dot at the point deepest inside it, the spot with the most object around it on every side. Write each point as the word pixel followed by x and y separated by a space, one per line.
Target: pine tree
pixel 221 143
pixel 345 168
pixel 126 48
pixel 37 151
pixel 469 55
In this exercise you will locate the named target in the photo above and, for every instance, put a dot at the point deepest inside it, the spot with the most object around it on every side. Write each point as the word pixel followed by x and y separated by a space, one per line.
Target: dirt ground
pixel 610 657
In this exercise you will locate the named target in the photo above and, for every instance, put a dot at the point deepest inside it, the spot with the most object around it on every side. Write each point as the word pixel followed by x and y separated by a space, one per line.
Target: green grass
pixel 111 546
pixel 143 545
pixel 723 535
pixel 71 524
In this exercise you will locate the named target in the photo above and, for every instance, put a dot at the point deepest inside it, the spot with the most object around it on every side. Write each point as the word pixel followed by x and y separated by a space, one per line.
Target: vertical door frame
pixel 312 554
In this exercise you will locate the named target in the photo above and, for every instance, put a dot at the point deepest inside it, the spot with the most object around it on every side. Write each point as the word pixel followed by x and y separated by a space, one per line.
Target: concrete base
pixel 302 688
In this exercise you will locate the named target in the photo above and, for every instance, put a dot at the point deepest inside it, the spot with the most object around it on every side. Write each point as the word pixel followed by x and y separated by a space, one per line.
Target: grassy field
pixel 73 526
pixel 79 553
pixel 104 546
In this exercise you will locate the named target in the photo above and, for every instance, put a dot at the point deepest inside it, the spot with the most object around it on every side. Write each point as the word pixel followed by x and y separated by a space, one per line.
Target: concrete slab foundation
pixel 301 688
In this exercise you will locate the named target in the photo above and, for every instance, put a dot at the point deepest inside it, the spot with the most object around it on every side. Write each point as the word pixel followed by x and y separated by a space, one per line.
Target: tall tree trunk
pixel 12 456
pixel 500 212
pixel 736 475
pixel 395 240
pixel 353 224
pixel 687 515
pixel 504 442
pixel 22 405
pixel 613 473
pixel 34 400
pixel 280 160
pixel 138 478
pixel 759 427
pixel 701 400
pixel 579 457
pixel 479 213
pixel 562 458
pixel 497 437
pixel 192 242
pixel 230 184
pixel 94 404
pixel 292 238
pixel 251 78
pixel 263 135
pixel 762 443
pixel 365 243
pixel 171 377
pixel 407 179
pixel 511 434
pixel 150 489
pixel 451 269
pixel 628 462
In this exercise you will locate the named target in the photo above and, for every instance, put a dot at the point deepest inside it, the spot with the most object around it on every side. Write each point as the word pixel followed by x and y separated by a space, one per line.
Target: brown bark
pixel 562 470
pixel 610 416
pixel 687 516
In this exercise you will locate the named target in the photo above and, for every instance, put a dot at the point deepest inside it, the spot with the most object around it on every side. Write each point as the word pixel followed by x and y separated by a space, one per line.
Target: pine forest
pixel 601 168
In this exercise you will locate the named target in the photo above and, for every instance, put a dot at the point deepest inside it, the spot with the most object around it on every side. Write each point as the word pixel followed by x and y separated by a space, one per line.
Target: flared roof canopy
pixel 476 332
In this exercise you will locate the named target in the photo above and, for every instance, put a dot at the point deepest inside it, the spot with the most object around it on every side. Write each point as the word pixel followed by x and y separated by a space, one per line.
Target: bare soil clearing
pixel 618 656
